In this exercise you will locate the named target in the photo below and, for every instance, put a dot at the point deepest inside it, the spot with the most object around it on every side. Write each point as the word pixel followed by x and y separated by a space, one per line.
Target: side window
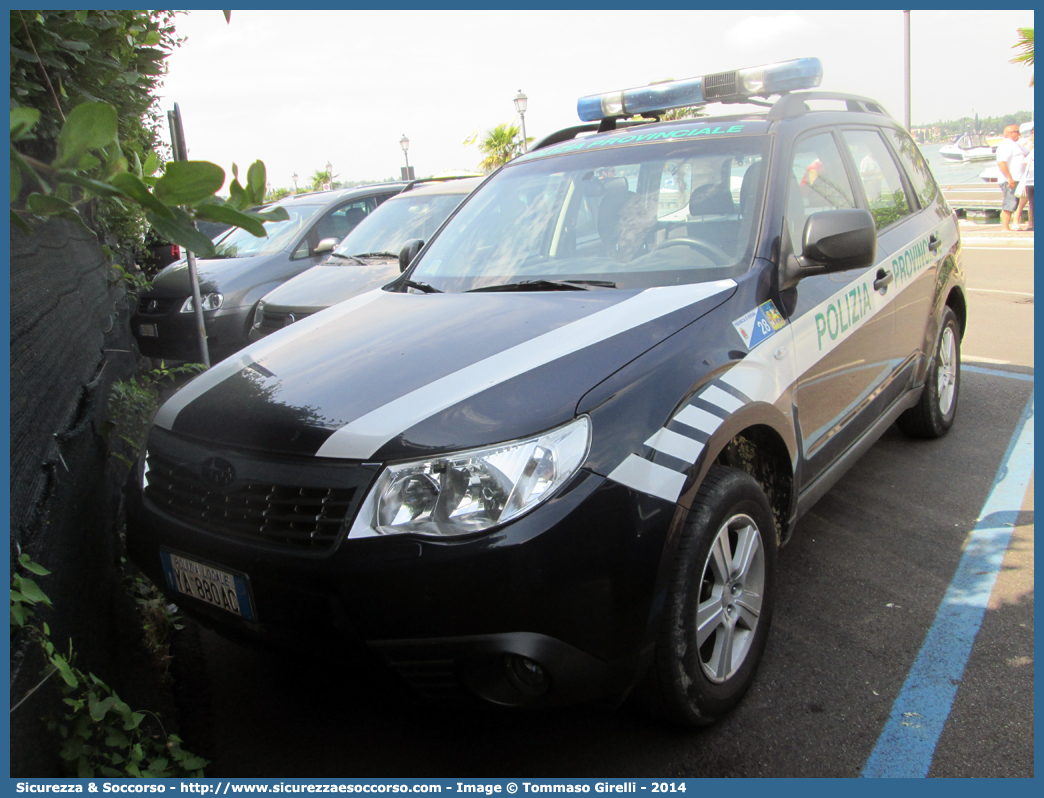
pixel 916 167
pixel 819 182
pixel 336 224
pixel 879 175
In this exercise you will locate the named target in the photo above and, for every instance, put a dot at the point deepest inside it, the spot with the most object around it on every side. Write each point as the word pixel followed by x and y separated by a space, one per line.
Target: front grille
pixel 721 85
pixel 155 307
pixel 307 518
pixel 272 321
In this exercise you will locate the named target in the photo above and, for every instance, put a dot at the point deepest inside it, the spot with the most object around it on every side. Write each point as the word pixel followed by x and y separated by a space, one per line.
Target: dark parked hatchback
pixel 555 459
pixel 247 268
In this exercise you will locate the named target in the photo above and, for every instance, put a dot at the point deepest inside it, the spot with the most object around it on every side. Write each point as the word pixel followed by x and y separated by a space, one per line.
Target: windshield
pixel 635 217
pixel 396 221
pixel 238 243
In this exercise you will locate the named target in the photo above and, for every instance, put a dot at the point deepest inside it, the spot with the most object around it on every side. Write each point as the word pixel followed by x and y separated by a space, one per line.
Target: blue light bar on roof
pixel 735 86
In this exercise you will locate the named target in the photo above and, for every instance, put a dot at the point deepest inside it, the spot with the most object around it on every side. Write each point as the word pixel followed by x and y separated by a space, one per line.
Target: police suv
pixel 555 458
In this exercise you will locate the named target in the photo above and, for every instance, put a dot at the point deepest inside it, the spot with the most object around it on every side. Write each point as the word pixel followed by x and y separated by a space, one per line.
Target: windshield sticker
pixel 760 323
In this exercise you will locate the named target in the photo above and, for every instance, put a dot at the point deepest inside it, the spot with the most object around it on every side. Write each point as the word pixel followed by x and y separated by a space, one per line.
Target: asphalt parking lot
pixel 902 641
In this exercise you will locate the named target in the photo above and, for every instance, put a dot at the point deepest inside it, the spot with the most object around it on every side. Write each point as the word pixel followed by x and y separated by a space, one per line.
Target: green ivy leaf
pixel 32 592
pixel 214 212
pixel 32 567
pixel 46 205
pixel 89 126
pixel 237 197
pixel 132 187
pixel 98 709
pixel 20 223
pixel 96 187
pixel 151 165
pixel 256 182
pixel 180 231
pixel 22 122
pixel 278 214
pixel 189 182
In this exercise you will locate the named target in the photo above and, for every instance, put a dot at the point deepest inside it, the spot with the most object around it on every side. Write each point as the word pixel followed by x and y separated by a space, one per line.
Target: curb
pixel 1006 241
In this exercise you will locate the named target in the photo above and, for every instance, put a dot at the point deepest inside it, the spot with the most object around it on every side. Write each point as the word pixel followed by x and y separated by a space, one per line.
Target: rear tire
pixel 933 415
pixel 719 606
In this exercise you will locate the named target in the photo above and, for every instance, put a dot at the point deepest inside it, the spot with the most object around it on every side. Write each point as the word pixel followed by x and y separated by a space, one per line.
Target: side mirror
pixel 409 252
pixel 326 245
pixel 833 241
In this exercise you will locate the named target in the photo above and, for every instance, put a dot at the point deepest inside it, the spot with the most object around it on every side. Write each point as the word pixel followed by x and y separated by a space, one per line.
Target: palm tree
pixel 500 145
pixel 1025 44
pixel 322 179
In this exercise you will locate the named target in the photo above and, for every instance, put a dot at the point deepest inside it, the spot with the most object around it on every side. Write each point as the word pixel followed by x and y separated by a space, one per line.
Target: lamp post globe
pixel 405 144
pixel 521 103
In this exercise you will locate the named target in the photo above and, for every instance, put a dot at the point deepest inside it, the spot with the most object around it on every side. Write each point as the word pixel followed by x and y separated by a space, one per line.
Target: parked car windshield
pixel 396 221
pixel 636 216
pixel 238 243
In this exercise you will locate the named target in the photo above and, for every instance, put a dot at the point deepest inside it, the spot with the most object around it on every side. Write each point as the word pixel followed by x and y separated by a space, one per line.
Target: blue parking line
pixel 1014 375
pixel 907 743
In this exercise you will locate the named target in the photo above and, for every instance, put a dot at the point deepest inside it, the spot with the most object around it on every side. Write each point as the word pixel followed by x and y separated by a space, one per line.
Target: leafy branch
pixel 101 735
pixel 88 144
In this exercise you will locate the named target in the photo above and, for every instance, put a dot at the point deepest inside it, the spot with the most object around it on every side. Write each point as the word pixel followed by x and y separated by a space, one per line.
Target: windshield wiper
pixel 348 257
pixel 547 285
pixel 377 255
pixel 427 289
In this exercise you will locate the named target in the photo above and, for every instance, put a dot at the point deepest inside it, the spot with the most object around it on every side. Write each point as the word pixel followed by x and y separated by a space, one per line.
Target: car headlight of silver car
pixel 259 313
pixel 208 301
pixel 466 492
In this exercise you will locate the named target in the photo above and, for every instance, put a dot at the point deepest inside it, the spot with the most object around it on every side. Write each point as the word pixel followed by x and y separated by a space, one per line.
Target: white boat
pixel 991 174
pixel 969 147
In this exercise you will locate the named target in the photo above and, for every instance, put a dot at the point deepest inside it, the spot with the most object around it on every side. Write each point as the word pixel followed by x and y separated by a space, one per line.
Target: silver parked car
pixel 367 258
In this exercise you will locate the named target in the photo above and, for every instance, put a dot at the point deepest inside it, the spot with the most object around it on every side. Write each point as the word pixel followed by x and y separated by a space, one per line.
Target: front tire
pixel 934 413
pixel 719 605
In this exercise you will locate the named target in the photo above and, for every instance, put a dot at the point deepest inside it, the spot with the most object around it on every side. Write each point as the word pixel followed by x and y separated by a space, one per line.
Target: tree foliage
pixel 499 145
pixel 1025 46
pixel 60 59
pixel 85 131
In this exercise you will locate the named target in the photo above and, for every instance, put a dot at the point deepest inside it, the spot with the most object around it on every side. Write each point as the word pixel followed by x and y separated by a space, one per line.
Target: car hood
pixel 322 286
pixel 215 274
pixel 389 376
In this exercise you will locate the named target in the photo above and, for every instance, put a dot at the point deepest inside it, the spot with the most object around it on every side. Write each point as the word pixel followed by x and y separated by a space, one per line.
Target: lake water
pixel 948 172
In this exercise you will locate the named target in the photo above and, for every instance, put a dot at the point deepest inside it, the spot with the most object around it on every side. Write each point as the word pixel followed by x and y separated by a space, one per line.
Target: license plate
pixel 148 330
pixel 222 589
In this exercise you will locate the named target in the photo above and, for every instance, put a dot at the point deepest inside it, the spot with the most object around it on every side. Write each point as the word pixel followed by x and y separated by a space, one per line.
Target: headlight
pixel 471 491
pixel 259 313
pixel 209 302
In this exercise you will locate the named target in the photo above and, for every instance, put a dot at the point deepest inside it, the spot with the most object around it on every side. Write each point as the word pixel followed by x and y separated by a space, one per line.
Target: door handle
pixel 934 242
pixel 884 278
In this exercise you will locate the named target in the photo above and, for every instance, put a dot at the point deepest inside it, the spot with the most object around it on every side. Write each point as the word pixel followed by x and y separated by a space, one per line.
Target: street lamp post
pixel 295 182
pixel 329 175
pixel 405 144
pixel 521 101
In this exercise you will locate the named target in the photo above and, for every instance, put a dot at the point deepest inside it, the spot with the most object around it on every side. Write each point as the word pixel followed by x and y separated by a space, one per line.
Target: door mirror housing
pixel 833 241
pixel 326 245
pixel 409 252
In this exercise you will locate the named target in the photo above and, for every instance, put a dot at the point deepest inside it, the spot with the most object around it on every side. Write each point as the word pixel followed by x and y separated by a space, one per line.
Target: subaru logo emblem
pixel 290 319
pixel 151 307
pixel 218 472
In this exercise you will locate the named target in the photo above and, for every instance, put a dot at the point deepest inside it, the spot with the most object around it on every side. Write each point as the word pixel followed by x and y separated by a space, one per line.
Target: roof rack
pixel 791 105
pixel 435 179
pixel 609 123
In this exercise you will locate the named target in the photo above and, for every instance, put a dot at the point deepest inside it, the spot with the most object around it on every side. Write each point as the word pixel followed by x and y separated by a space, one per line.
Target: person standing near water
pixel 1010 157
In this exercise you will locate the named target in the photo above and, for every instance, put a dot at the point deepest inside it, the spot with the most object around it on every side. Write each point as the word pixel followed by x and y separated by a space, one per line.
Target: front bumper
pixel 175 333
pixel 571 586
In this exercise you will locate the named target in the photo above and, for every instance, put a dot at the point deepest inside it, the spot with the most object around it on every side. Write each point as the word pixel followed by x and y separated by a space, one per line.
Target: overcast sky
pixel 297 89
